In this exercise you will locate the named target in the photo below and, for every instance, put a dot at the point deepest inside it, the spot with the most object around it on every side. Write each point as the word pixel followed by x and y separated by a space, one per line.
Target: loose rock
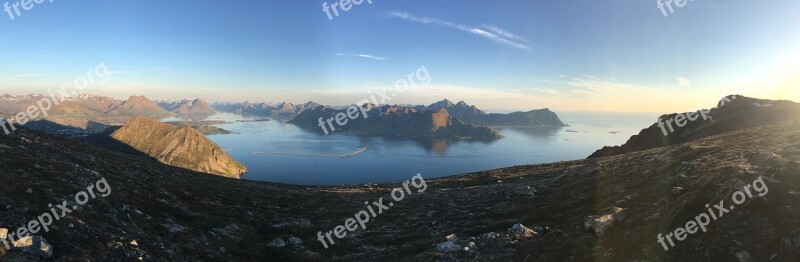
pixel 35 246
pixel 448 247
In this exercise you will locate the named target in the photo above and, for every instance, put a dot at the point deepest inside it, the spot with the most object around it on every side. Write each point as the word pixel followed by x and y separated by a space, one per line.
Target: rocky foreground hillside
pixel 603 209
pixel 178 146
pixel 731 113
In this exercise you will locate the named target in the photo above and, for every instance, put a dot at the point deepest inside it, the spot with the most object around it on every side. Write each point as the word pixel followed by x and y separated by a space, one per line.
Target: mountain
pixel 80 115
pixel 732 113
pixel 87 106
pixel 472 115
pixel 282 111
pixel 155 212
pixel 136 106
pixel 441 104
pixel 197 107
pixel 178 146
pixel 396 120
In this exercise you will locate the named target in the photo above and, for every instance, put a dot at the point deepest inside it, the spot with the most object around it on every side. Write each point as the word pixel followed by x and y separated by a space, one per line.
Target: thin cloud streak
pixel 26 76
pixel 501 32
pixel 362 56
pixel 498 35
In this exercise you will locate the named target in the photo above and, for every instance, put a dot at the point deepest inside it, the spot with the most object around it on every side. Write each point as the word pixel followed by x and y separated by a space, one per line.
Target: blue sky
pixel 583 55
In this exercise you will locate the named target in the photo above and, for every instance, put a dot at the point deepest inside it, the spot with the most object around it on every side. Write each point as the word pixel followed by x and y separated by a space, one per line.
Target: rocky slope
pixel 472 115
pixel 178 146
pixel 731 113
pixel 397 121
pixel 161 213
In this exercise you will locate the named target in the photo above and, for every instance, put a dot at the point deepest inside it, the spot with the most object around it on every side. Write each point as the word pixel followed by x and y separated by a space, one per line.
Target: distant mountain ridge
pixel 178 146
pixel 403 121
pixel 86 106
pixel 462 111
pixel 284 110
pixel 197 107
pixel 472 115
pixel 732 113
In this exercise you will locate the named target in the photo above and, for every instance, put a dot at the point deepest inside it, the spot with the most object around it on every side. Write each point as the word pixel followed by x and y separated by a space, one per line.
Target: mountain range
pixel 86 106
pixel 197 107
pixel 472 115
pixel 281 111
pixel 399 121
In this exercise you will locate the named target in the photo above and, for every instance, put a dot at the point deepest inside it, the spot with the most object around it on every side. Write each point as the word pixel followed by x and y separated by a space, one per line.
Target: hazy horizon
pixel 710 103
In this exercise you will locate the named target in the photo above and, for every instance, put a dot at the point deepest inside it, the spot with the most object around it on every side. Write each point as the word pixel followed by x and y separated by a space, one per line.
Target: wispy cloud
pixel 26 76
pixel 362 56
pixel 501 32
pixel 497 34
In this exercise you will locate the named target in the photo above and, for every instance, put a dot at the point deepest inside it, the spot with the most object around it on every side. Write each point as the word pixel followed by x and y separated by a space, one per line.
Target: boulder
pixel 295 242
pixel 35 246
pixel 600 224
pixel 744 256
pixel 676 191
pixel 452 238
pixel 448 247
pixel 277 243
pixel 520 230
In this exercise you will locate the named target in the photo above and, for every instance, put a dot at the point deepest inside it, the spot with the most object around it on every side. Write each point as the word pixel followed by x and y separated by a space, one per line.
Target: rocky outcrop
pixel 600 224
pixel 178 146
pixel 35 245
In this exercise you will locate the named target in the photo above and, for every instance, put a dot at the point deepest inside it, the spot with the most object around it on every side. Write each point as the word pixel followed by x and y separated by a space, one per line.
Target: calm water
pixel 277 147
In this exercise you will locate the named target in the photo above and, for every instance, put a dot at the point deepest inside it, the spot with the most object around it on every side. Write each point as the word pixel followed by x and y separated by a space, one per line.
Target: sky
pixel 579 55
